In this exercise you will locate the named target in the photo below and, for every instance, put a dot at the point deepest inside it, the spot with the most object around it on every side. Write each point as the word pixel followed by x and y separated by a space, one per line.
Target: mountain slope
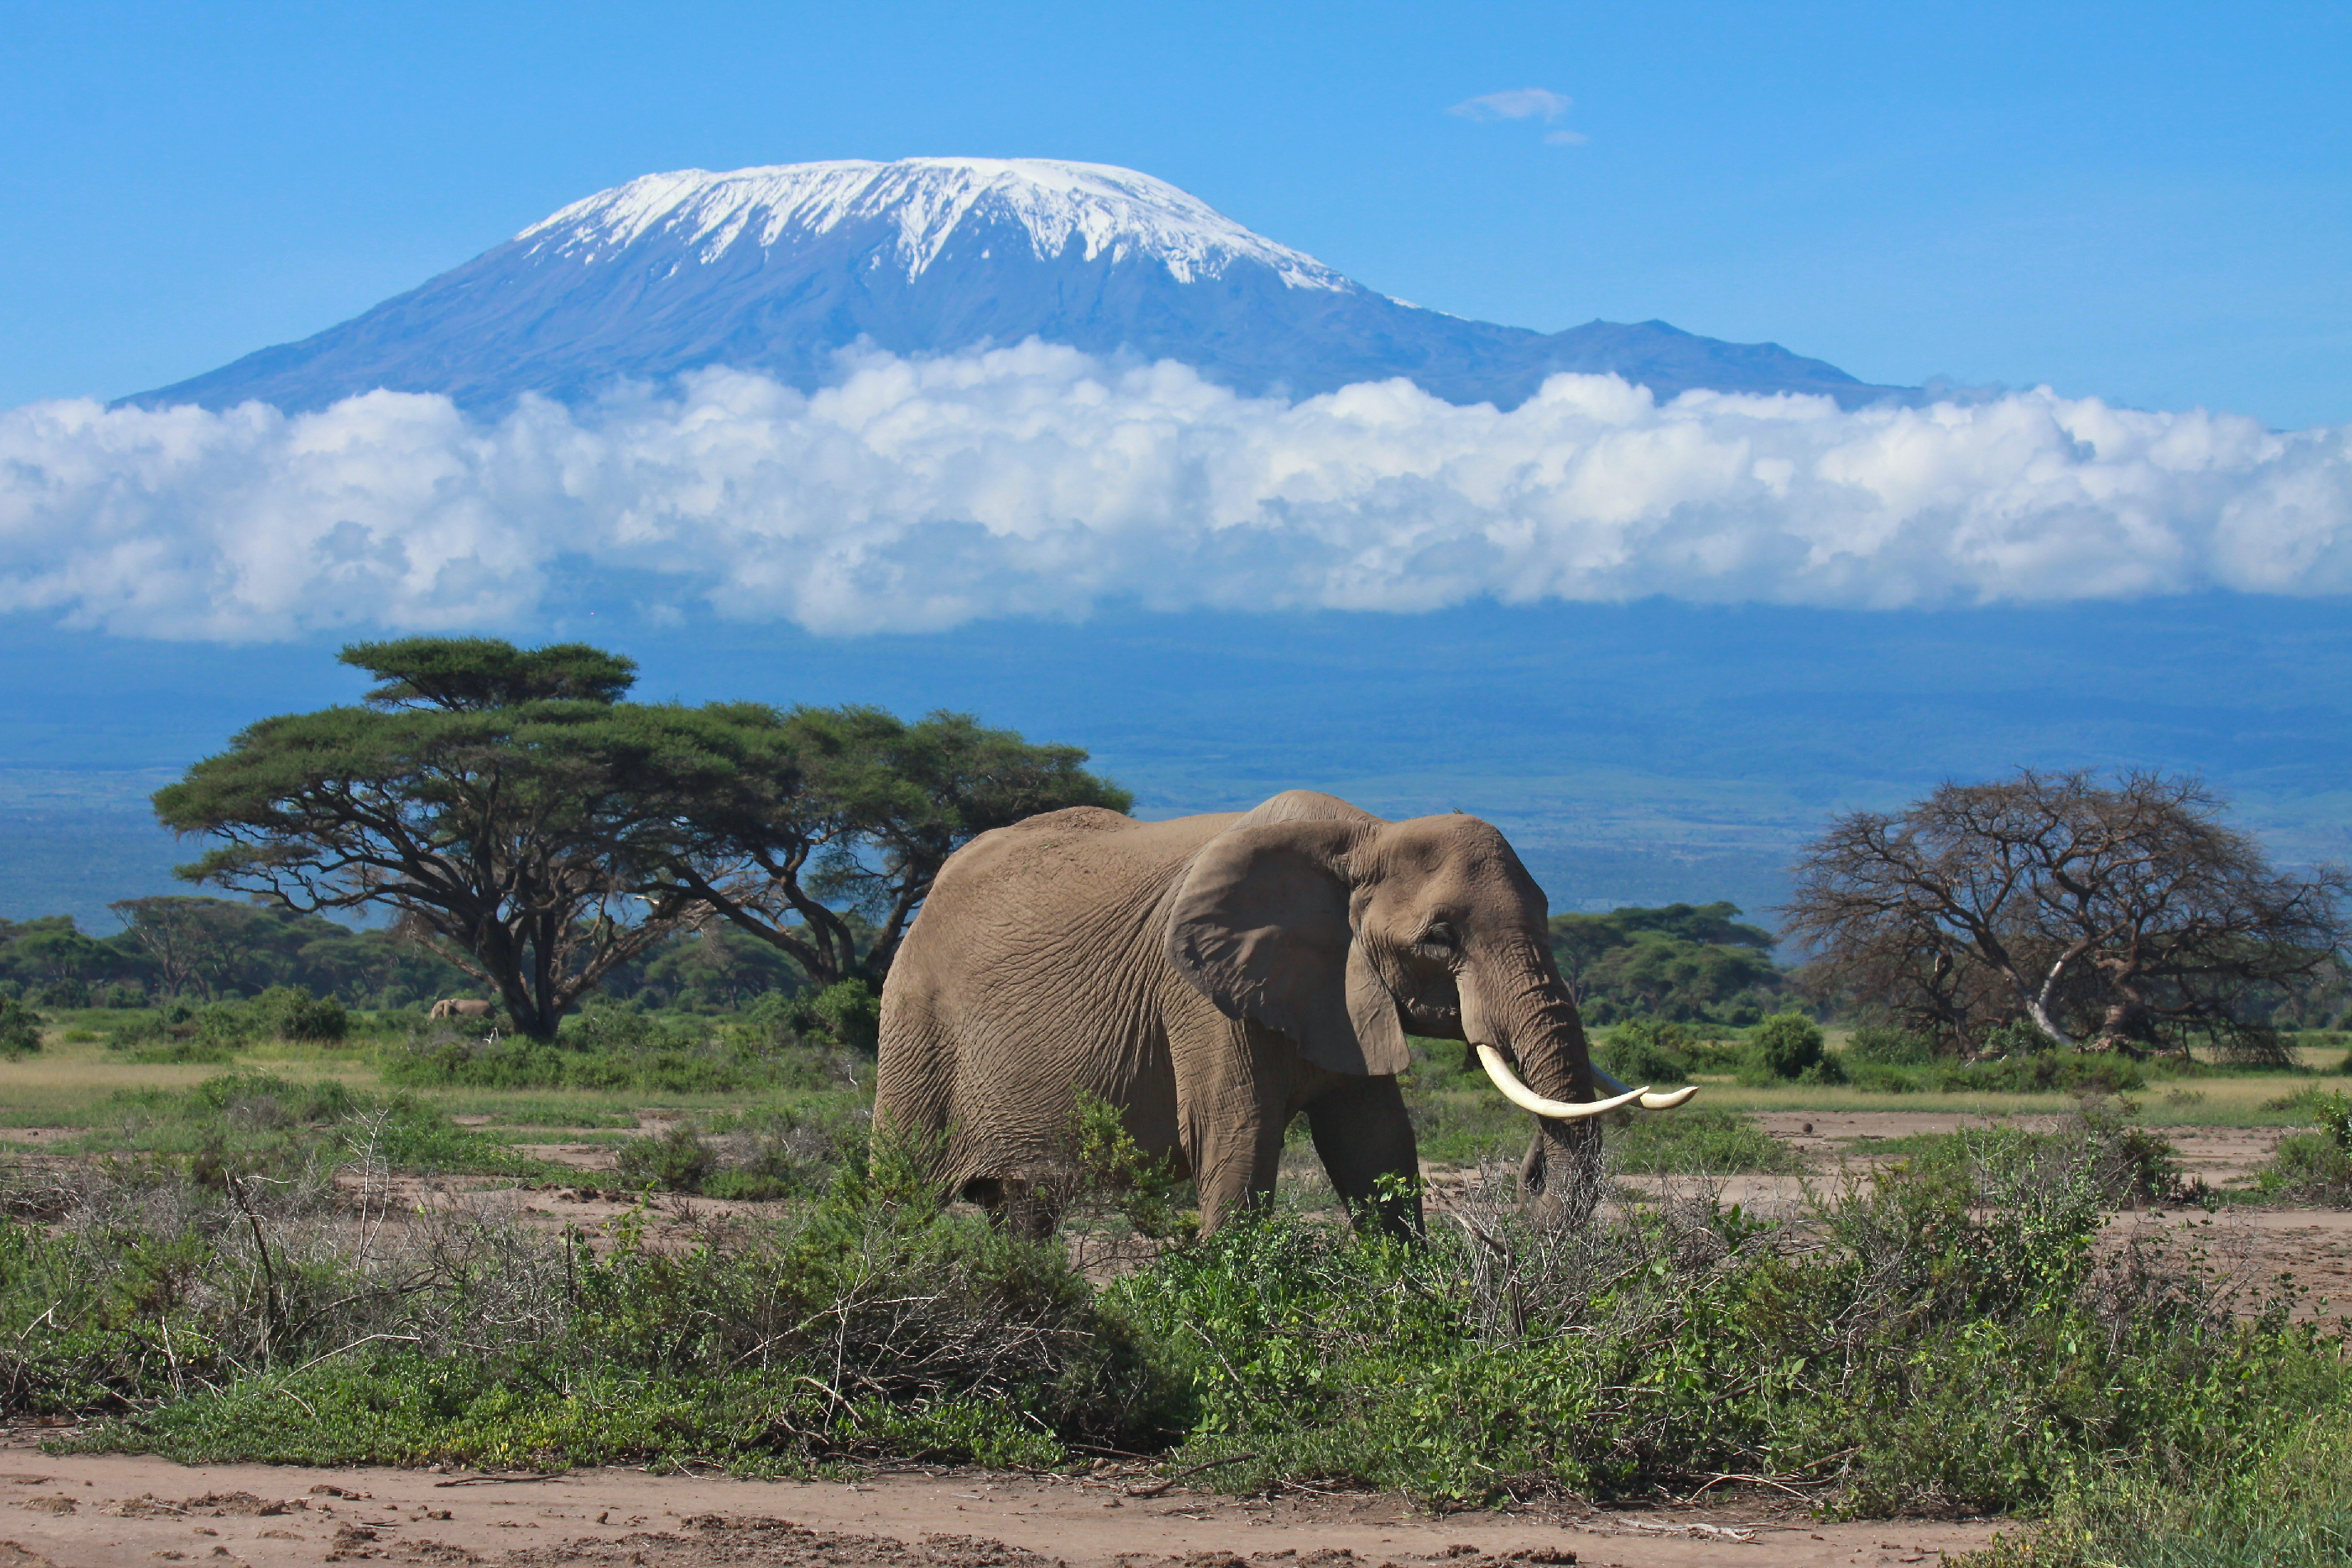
pixel 778 269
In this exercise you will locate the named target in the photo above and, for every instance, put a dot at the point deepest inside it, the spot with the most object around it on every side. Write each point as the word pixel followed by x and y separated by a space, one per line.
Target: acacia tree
pixel 823 830
pixel 492 796
pixel 2122 915
pixel 537 831
pixel 193 943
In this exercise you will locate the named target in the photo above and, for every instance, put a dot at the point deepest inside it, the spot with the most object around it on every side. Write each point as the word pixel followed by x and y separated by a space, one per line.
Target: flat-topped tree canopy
pixel 471 674
pixel 535 830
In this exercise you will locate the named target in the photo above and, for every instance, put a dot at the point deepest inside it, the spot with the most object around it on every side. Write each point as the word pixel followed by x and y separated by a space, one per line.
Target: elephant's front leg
pixel 1234 1119
pixel 1363 1132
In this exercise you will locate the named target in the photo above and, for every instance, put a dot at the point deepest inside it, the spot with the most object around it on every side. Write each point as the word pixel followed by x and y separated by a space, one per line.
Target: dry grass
pixel 2231 1101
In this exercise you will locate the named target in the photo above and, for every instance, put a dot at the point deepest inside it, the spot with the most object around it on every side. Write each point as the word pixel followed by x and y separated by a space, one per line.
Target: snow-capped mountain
pixel 776 269
pixel 1109 212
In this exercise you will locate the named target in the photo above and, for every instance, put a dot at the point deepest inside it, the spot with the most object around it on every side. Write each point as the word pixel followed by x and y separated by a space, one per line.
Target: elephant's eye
pixel 1440 936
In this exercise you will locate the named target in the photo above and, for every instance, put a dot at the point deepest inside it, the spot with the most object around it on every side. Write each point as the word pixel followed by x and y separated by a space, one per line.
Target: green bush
pixel 2316 1167
pixel 2042 1073
pixel 2292 1508
pixel 289 1012
pixel 605 1047
pixel 872 1325
pixel 1944 1340
pixel 20 1028
pixel 673 1160
pixel 2018 1037
pixel 848 1013
pixel 1646 1051
pixel 1887 1047
pixel 1882 1078
pixel 1787 1044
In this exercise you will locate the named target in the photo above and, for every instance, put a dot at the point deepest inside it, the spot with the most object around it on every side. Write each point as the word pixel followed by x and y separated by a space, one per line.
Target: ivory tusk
pixel 1651 1099
pixel 1527 1098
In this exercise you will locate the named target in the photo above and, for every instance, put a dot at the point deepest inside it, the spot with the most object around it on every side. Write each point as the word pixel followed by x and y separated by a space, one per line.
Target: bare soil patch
pixel 83 1511
pixel 2222 1157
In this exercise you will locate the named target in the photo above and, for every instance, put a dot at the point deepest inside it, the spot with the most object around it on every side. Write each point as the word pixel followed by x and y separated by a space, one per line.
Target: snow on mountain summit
pixel 780 270
pixel 924 205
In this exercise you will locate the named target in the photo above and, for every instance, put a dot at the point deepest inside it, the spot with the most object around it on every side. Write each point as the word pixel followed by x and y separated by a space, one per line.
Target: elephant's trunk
pixel 1521 1004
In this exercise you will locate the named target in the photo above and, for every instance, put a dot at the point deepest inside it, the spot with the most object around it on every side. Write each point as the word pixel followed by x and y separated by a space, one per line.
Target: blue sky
pixel 2148 203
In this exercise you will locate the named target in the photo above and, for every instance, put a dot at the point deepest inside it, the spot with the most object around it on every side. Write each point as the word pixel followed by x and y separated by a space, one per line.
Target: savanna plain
pixel 402 1289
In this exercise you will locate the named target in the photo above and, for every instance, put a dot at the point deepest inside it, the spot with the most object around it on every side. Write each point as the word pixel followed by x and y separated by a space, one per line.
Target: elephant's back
pixel 1032 969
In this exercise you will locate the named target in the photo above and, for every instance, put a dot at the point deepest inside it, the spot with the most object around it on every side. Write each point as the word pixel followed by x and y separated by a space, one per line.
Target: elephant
pixel 1213 976
pixel 459 1007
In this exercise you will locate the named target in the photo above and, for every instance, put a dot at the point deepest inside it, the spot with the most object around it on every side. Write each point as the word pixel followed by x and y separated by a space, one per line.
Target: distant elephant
pixel 457 1007
pixel 1213 976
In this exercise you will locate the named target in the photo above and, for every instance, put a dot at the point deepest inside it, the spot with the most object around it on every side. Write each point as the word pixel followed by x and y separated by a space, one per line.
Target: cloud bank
pixel 916 494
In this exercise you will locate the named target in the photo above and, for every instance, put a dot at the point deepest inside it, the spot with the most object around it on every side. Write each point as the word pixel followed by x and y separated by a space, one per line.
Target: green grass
pixel 2291 1509
pixel 263 1122
pixel 1698 1140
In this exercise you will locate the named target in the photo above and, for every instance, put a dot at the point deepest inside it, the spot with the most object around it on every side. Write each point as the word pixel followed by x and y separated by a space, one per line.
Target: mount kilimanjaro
pixel 778 269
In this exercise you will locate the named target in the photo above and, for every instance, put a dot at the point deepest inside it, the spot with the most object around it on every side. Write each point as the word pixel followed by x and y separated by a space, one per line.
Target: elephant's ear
pixel 1260 927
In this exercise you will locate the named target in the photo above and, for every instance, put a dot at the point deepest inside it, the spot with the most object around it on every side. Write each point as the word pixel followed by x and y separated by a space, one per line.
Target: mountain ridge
pixel 777 269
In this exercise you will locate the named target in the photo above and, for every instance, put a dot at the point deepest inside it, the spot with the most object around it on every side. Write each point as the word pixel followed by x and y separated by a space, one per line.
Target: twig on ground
pixel 1749 1480
pixel 403 1338
pixel 1158 1487
pixel 497 1480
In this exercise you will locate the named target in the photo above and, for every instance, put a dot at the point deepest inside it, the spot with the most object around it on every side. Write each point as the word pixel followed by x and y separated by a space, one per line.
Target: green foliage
pixel 872 1324
pixel 20 1028
pixel 267 1123
pixel 619 1046
pixel 710 970
pixel 793 1150
pixel 216 947
pixel 1881 1046
pixel 847 1013
pixel 2066 1072
pixel 1646 1051
pixel 2316 1167
pixel 1787 1045
pixel 472 674
pixel 531 827
pixel 289 1012
pixel 1114 1171
pixel 1878 1078
pixel 1699 1139
pixel 1950 1339
pixel 2018 1037
pixel 2291 1509
pixel 820 829
pixel 1682 962
pixel 673 1160
pixel 1945 1340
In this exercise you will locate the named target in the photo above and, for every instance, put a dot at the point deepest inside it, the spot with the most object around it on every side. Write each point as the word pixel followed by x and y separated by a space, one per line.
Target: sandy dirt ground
pixel 101 1512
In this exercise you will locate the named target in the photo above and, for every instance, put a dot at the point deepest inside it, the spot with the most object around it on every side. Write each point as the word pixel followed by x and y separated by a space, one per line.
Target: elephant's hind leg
pixel 1362 1133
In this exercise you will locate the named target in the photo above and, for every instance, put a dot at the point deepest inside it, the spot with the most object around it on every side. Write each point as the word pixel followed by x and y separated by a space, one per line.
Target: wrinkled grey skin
pixel 455 1008
pixel 1213 976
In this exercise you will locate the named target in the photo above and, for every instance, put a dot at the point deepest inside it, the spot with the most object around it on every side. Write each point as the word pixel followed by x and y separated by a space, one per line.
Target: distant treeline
pixel 212 949
pixel 1686 963
pixel 1692 964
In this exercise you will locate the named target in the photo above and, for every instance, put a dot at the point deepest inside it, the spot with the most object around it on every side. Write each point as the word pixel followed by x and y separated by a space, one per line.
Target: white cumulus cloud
pixel 915 495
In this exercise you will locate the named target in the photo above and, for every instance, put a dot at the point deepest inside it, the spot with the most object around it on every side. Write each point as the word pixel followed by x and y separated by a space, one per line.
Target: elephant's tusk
pixel 1651 1099
pixel 1527 1098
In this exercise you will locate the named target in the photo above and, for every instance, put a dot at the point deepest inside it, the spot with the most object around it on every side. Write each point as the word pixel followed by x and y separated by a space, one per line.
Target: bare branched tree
pixel 2122 915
